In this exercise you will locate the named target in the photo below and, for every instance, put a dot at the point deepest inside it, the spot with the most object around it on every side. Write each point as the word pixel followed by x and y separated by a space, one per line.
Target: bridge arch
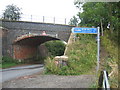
pixel 26 46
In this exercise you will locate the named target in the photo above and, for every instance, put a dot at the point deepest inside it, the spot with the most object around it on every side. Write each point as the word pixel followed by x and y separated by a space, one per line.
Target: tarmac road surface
pixel 12 73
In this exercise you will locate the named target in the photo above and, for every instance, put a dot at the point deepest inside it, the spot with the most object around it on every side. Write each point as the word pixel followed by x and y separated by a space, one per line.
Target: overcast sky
pixel 51 8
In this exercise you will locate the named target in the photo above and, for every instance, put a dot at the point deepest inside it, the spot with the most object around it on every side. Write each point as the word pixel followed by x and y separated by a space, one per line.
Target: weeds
pixel 109 42
pixel 82 57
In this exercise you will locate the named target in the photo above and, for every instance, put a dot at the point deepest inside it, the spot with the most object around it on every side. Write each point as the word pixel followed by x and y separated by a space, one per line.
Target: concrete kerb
pixel 23 67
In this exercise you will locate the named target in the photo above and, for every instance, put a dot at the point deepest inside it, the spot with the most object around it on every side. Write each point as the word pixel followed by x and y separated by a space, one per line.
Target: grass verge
pixel 7 65
pixel 9 62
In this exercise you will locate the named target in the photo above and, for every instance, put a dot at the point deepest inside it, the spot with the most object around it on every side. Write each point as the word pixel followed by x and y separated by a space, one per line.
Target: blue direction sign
pixel 84 30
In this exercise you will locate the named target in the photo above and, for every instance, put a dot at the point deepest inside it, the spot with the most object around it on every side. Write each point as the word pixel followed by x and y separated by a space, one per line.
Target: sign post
pixel 90 31
pixel 98 48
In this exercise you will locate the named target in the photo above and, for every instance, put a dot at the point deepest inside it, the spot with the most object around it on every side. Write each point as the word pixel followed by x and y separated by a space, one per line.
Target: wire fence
pixel 44 19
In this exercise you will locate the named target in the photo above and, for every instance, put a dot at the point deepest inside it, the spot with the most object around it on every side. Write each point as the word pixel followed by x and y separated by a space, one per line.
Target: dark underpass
pixel 30 47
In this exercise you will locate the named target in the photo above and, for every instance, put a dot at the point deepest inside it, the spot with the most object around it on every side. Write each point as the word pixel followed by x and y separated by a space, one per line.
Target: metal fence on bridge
pixel 44 19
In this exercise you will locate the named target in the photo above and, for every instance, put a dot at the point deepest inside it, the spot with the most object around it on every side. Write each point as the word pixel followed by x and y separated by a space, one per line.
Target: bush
pixel 56 48
pixel 50 66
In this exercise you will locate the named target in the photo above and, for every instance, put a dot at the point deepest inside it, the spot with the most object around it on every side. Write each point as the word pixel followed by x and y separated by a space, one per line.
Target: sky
pixel 37 8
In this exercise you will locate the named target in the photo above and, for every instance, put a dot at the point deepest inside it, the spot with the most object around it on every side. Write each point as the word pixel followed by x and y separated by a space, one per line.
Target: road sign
pixel 84 30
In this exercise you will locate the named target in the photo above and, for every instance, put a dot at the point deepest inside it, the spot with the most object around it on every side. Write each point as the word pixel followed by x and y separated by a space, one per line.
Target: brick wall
pixel 24 52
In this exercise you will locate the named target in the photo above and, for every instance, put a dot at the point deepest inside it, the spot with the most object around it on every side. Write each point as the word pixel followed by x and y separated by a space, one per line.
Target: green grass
pixel 82 54
pixel 0 65
pixel 7 65
pixel 9 62
pixel 94 85
pixel 82 57
pixel 110 43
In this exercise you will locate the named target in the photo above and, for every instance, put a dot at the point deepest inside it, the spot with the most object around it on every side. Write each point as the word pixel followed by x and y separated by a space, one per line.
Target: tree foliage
pixel 101 14
pixel 12 12
pixel 73 21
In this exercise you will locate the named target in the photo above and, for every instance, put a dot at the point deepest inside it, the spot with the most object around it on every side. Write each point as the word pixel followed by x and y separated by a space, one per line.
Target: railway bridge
pixel 21 39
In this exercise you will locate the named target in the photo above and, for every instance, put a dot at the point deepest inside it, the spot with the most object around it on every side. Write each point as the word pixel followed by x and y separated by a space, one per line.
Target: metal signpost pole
pixel 98 48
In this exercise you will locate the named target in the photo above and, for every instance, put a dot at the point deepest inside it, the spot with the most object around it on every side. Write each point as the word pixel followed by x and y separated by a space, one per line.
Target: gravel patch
pixel 51 81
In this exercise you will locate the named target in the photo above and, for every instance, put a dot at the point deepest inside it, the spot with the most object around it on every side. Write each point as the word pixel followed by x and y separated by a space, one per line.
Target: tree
pixel 12 12
pixel 73 21
pixel 99 13
pixel 113 14
pixel 94 14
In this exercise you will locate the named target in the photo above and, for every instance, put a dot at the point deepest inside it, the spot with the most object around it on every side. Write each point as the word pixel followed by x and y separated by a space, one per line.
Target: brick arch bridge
pixel 21 39
pixel 27 45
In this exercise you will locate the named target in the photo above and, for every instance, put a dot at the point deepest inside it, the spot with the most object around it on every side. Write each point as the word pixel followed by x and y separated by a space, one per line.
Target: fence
pixel 45 19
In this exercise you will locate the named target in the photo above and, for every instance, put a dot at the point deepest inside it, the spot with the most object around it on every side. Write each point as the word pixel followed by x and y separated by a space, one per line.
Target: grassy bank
pixel 82 57
pixel 110 43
